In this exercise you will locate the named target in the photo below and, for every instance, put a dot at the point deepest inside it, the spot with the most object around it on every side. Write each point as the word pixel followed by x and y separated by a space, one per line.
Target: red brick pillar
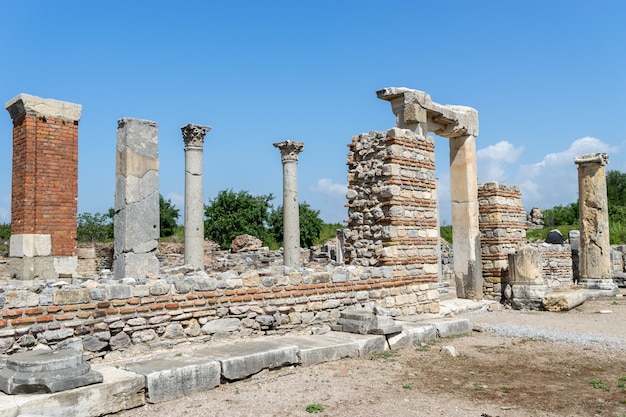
pixel 45 187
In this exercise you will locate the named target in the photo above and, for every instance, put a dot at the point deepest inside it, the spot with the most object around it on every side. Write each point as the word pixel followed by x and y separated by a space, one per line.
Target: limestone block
pixel 25 103
pixel 412 334
pixel 173 378
pixel 240 360
pixel 20 299
pixel 221 325
pixel 30 245
pixel 135 265
pixel 71 296
pixel 322 348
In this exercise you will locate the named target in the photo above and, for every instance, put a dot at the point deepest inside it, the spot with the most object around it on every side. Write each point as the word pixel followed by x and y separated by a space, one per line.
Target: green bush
pixel 310 225
pixel 445 232
pixel 168 214
pixel 232 214
pixel 96 227
pixel 5 230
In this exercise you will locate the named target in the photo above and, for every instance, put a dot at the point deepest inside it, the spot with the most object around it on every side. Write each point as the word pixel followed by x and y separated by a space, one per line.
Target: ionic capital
pixel 193 135
pixel 592 158
pixel 289 150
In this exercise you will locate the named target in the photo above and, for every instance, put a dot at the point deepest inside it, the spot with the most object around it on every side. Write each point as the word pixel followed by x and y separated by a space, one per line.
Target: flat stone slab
pixel 119 390
pixel 448 327
pixel 368 344
pixel 172 378
pixel 322 348
pixel 45 371
pixel 412 334
pixel 242 359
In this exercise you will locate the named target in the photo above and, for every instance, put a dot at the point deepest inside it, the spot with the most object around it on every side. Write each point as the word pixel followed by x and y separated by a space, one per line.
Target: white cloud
pixel 554 180
pixel 325 186
pixel 494 160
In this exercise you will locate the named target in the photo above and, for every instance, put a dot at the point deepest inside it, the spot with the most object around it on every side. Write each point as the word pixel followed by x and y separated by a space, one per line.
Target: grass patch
pixel 598 384
pixel 388 354
pixel 407 386
pixel 314 408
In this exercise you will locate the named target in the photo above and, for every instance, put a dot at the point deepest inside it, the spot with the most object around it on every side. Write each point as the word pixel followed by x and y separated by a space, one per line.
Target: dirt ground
pixel 522 364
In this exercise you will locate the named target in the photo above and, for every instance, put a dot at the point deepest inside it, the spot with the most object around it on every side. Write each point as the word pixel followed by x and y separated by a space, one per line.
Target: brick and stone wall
pixel 392 210
pixel 557 265
pixel 502 222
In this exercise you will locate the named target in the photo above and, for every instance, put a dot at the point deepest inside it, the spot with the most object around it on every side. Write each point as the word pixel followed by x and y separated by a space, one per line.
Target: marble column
pixel 193 136
pixel 595 248
pixel 465 216
pixel 136 222
pixel 289 151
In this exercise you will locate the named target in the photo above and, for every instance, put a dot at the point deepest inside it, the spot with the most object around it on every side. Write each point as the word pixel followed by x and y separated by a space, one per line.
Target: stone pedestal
pixel 44 187
pixel 137 218
pixel 193 136
pixel 595 248
pixel 44 371
pixel 289 151
pixel 526 287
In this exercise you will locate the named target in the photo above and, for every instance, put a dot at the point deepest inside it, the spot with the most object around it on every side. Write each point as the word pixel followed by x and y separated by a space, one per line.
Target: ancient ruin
pixel 193 136
pixel 387 266
pixel 45 188
pixel 136 199
pixel 595 260
pixel 289 151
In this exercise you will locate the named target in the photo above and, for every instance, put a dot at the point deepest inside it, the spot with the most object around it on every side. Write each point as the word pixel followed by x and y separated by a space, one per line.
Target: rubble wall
pixel 502 222
pixel 392 210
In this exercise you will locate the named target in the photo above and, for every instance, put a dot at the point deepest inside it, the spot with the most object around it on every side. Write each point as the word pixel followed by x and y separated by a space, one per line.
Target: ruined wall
pixel 392 204
pixel 502 222
pixel 108 317
pixel 557 265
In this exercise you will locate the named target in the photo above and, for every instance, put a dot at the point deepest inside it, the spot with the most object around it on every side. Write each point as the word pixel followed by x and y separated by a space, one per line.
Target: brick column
pixel 45 187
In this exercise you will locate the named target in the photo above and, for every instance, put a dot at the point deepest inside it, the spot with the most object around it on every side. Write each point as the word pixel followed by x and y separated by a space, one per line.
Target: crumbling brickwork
pixel 393 205
pixel 502 227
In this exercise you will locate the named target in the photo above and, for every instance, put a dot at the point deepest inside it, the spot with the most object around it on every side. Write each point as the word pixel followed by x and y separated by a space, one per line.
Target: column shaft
pixel 289 151
pixel 193 136
pixel 465 228
pixel 595 257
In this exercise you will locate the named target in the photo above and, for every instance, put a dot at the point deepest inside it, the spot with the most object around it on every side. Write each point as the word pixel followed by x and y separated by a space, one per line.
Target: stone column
pixel 137 220
pixel 289 151
pixel 465 216
pixel 193 136
pixel 44 190
pixel 595 249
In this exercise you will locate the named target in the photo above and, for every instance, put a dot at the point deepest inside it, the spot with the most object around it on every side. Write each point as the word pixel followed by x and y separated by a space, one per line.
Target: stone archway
pixel 416 111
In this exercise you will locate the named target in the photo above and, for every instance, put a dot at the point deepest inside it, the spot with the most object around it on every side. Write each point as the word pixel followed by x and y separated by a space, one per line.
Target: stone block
pixel 448 327
pixel 322 348
pixel 413 334
pixel 221 325
pixel 367 344
pixel 30 245
pixel 242 359
pixel 120 390
pixel 71 296
pixel 168 379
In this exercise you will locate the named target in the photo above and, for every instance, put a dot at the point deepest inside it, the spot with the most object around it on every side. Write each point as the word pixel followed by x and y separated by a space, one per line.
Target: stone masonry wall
pixel 393 204
pixel 557 265
pixel 502 222
pixel 110 317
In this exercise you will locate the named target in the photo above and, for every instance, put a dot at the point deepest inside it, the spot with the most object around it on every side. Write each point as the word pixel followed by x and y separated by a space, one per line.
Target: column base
pixel 603 284
pixel 47 268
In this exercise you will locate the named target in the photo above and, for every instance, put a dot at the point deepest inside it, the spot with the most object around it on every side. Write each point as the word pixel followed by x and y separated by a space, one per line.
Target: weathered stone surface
pixel 240 360
pixel 170 379
pixel 43 371
pixel 71 296
pixel 119 390
pixel 221 325
pixel 92 344
pixel 245 243
pixel 120 341
pixel 563 301
pixel 412 334
pixel 322 348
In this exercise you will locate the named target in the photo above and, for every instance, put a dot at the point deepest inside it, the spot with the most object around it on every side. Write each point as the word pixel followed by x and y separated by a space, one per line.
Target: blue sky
pixel 548 79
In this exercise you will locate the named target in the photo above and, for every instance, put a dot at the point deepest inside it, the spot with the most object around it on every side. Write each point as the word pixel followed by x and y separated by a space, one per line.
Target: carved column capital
pixel 592 158
pixel 193 135
pixel 289 150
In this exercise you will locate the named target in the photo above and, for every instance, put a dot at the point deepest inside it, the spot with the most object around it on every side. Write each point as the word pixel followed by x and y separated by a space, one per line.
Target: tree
pixel 5 230
pixel 95 227
pixel 616 195
pixel 169 215
pixel 232 214
pixel 310 225
pixel 561 215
